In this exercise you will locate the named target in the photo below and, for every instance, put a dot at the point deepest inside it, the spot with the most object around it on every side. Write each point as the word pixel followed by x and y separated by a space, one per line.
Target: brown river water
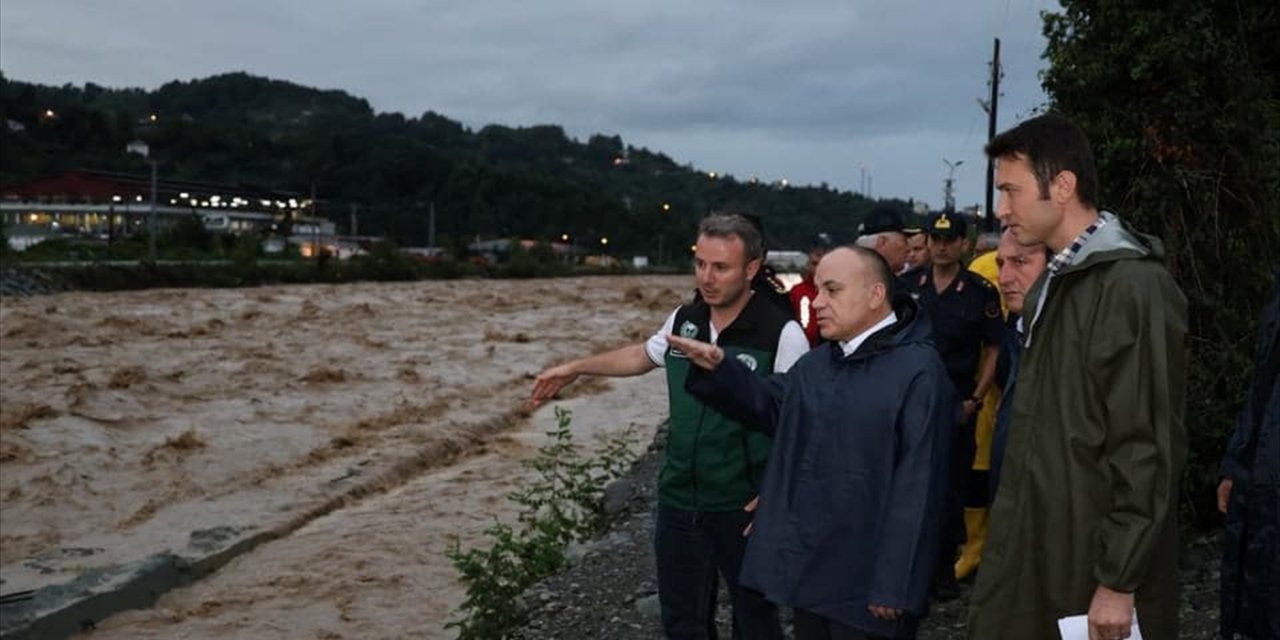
pixel 127 415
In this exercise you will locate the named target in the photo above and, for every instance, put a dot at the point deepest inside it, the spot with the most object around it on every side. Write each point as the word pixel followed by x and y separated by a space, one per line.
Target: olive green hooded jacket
pixel 1089 492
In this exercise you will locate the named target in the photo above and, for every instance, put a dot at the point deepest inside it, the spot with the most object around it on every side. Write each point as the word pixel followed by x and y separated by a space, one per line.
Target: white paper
pixel 1077 628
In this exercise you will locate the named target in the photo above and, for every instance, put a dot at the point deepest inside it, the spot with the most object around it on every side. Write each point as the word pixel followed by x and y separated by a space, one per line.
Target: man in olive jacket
pixel 1085 519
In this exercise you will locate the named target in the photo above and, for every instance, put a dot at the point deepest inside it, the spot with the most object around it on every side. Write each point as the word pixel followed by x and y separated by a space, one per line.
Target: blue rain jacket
pixel 851 502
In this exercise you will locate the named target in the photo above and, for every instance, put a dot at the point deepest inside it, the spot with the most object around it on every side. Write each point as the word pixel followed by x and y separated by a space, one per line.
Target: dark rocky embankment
pixel 28 282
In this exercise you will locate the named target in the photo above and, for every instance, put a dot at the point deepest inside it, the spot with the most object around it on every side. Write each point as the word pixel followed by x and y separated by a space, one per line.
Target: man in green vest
pixel 712 465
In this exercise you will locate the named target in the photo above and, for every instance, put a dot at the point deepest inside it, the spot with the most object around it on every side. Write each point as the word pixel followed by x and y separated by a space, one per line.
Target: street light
pixel 662 234
pixel 142 149
pixel 948 191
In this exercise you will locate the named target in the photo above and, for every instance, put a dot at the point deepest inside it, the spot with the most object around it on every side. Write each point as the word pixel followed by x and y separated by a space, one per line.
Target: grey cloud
pixel 791 89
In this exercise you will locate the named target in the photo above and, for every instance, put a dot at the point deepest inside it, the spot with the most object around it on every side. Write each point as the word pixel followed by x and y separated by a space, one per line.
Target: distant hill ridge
pixel 390 169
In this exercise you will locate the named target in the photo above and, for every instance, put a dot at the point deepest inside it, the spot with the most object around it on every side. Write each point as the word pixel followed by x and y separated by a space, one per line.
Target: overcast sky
pixel 810 91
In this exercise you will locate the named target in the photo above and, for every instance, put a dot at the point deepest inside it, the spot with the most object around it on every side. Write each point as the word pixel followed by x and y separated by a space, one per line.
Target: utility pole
pixel 354 229
pixel 151 215
pixel 431 226
pixel 991 108
pixel 315 225
pixel 143 149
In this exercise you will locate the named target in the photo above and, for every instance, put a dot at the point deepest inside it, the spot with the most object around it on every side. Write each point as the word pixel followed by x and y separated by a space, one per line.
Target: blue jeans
pixel 691 547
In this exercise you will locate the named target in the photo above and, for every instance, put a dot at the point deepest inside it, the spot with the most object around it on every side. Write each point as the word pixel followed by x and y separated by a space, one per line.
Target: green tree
pixel 1179 101
pixel 188 233
pixel 529 182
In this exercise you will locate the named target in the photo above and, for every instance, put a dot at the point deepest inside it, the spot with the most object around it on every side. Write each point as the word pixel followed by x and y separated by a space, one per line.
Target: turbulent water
pixel 126 415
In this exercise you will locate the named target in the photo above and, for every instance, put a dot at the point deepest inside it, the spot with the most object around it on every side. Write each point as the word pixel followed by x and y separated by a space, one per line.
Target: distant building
pixel 499 250
pixel 107 205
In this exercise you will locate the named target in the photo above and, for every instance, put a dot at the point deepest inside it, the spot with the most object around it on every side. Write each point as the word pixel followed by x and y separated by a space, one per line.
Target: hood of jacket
pixel 912 326
pixel 1116 241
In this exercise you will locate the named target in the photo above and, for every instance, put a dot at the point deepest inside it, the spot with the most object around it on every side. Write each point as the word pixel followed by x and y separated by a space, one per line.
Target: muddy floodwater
pixel 127 414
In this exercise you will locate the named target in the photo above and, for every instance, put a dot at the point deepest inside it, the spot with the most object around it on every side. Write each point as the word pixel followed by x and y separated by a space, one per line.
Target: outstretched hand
pixel 550 382
pixel 703 354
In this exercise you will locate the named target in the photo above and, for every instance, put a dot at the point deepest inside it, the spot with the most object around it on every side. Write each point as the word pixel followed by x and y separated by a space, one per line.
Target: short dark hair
pixel 729 225
pixel 1051 144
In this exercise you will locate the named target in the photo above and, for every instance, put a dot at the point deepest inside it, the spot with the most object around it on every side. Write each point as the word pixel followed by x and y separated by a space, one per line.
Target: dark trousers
pixel 811 626
pixel 963 448
pixel 691 547
pixel 976 492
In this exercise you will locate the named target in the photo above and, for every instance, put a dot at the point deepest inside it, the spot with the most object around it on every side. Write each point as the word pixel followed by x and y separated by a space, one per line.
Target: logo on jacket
pixel 688 330
pixel 748 360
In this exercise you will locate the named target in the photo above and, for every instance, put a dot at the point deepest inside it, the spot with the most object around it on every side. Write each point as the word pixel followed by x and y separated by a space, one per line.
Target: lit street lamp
pixel 948 191
pixel 142 149
pixel 662 235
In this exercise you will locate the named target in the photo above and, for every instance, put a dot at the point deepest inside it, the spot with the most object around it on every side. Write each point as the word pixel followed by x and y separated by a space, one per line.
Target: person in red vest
pixel 802 296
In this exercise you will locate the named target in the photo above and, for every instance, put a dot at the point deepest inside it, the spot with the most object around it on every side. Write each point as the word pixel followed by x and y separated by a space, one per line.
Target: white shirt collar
pixel 851 345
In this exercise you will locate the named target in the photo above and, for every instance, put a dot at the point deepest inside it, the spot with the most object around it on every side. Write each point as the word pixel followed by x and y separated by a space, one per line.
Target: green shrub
pixel 561 506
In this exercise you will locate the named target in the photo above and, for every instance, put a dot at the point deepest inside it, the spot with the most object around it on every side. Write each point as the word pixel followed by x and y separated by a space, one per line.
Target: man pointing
pixel 846 530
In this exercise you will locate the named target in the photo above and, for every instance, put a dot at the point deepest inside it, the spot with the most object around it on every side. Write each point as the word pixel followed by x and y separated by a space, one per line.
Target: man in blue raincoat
pixel 846 530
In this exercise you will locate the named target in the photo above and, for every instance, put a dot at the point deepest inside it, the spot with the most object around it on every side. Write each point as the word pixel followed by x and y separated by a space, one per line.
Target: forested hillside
pixel 497 181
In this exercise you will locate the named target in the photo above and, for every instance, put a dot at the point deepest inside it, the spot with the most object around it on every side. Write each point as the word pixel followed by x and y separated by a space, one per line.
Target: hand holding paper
pixel 1077 628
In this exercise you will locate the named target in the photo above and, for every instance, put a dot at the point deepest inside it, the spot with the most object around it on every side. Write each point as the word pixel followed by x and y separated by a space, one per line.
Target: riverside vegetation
pixel 191 256
pixel 559 507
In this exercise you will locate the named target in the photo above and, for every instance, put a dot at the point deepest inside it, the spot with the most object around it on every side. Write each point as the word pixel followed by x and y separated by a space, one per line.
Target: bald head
pixel 854 284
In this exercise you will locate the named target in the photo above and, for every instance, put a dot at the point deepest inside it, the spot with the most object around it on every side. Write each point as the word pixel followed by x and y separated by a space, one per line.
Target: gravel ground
pixel 610 590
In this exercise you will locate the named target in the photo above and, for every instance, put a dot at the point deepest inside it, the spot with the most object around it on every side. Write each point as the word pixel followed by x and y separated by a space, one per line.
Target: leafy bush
pixel 561 506
pixel 188 236
pixel 246 250
pixel 385 262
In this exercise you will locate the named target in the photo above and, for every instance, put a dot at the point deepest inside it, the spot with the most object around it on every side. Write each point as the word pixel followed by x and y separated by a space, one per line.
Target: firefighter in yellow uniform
pixel 975 518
